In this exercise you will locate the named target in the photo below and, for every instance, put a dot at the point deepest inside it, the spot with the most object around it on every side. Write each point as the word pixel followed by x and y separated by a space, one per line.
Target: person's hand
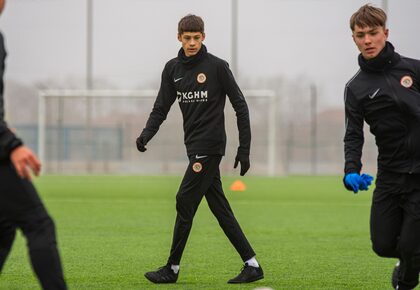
pixel 358 182
pixel 353 180
pixel 245 164
pixel 365 182
pixel 24 161
pixel 141 143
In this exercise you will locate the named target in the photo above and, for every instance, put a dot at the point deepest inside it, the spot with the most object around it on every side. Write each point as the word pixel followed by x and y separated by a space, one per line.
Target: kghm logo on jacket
pixel 406 81
pixel 192 97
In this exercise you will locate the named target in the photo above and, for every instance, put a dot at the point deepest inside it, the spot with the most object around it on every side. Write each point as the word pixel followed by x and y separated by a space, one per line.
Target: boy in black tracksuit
pixel 199 81
pixel 20 205
pixel 386 94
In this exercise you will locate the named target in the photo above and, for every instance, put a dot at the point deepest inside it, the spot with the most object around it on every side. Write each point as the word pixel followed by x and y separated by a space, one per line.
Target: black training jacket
pixel 385 94
pixel 200 84
pixel 8 140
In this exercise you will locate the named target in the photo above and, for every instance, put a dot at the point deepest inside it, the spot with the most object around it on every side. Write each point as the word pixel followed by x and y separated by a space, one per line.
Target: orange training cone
pixel 238 186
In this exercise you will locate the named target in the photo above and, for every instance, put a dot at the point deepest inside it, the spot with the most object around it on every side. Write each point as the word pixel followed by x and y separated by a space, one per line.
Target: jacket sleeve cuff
pixel 15 144
pixel 8 143
pixel 243 151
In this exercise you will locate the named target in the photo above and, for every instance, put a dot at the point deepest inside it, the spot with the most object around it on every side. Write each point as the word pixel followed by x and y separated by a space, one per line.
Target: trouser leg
pixel 221 209
pixel 21 206
pixel 395 224
pixel 409 243
pixel 39 230
pixel 7 236
pixel 197 179
pixel 385 225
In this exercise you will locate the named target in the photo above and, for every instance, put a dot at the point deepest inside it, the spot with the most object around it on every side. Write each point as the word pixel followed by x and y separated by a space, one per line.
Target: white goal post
pixel 88 96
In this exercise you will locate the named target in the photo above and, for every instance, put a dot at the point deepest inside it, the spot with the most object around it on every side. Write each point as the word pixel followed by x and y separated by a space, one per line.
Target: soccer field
pixel 308 233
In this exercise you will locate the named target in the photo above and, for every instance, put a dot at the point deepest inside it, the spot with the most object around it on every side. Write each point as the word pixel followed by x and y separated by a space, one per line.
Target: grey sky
pixel 133 39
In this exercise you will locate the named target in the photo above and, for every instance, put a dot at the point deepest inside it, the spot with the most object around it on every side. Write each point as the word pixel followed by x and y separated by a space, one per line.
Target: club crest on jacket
pixel 201 78
pixel 197 167
pixel 406 81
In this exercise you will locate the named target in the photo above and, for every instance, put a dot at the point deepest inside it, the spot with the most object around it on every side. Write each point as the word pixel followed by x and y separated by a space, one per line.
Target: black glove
pixel 244 160
pixel 141 142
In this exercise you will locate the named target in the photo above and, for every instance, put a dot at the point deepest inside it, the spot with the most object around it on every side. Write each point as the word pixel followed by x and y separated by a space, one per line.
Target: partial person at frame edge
pixel 385 93
pixel 20 205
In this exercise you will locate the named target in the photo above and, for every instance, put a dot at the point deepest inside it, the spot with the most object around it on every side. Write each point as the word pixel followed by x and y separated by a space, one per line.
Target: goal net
pixel 94 131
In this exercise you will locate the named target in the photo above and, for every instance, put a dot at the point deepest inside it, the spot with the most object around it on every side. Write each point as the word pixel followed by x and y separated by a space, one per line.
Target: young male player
pixel 20 206
pixel 385 94
pixel 199 81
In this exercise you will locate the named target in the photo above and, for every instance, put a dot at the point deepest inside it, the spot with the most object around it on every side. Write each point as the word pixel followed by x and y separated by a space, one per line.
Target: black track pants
pixel 395 223
pixel 202 178
pixel 21 208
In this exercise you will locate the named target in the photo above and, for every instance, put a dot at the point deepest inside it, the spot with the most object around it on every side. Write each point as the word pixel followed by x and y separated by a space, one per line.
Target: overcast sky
pixel 133 39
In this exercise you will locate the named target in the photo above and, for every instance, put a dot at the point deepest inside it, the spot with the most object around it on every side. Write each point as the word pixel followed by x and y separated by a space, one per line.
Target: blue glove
pixel 353 180
pixel 366 181
pixel 358 182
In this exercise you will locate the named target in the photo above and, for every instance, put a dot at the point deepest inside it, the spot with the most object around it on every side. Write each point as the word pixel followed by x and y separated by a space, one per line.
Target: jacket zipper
pixel 397 101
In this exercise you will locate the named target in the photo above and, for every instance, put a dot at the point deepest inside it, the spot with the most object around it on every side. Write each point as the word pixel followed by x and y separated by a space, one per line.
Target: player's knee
pixel 41 233
pixel 184 208
pixel 383 248
pixel 182 200
pixel 408 249
pixel 180 205
pixel 7 237
pixel 185 215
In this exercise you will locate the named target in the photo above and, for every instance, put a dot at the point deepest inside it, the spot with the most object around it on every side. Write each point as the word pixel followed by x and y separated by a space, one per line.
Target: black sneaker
pixel 395 274
pixel 248 274
pixel 163 275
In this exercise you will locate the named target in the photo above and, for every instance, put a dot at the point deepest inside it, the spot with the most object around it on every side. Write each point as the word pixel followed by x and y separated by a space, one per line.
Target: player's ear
pixel 386 31
pixel 180 37
pixel 204 36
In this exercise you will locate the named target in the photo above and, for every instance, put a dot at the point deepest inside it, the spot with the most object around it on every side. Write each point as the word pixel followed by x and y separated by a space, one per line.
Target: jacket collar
pixel 385 59
pixel 192 60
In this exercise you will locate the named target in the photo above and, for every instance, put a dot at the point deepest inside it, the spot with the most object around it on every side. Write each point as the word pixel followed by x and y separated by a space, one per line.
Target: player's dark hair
pixel 190 23
pixel 368 16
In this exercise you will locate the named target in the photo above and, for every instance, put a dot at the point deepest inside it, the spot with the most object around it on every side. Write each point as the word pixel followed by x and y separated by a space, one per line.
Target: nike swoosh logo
pixel 178 79
pixel 374 93
pixel 200 157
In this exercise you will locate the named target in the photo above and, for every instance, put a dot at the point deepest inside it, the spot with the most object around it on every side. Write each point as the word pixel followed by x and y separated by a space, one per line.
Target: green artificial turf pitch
pixel 308 233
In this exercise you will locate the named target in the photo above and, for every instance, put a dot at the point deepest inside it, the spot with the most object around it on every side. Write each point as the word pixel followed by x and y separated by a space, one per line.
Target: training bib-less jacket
pixel 385 94
pixel 8 140
pixel 200 84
